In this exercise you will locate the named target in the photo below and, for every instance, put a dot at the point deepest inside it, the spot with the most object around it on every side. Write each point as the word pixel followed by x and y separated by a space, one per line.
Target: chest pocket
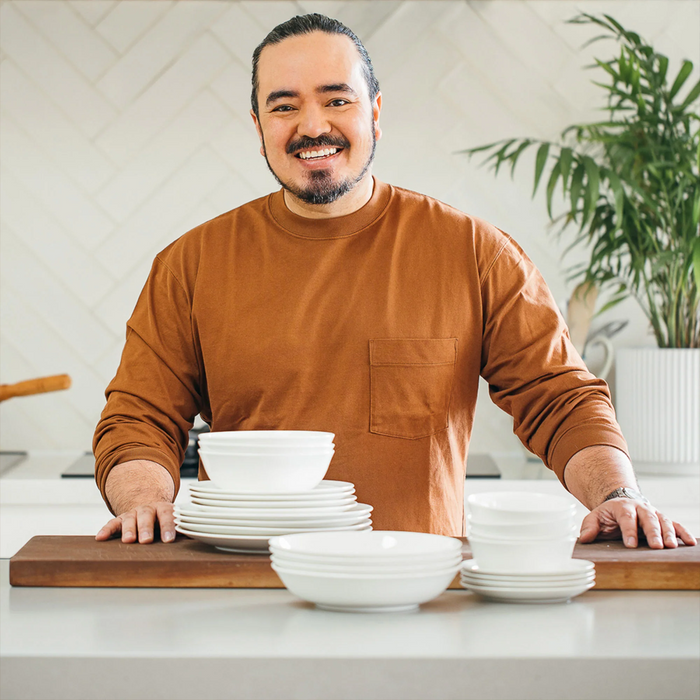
pixel 410 385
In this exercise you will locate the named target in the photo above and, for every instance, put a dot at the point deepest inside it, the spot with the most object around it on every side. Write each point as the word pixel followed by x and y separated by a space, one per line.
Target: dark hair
pixel 306 24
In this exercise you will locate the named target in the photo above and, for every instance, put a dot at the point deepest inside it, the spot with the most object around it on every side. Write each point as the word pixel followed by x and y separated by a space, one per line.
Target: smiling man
pixel 344 304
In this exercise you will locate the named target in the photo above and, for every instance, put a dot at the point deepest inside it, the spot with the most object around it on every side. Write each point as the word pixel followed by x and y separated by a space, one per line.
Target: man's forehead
pixel 309 62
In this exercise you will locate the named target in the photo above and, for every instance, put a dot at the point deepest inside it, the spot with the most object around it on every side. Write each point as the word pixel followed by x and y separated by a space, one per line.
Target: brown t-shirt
pixel 374 326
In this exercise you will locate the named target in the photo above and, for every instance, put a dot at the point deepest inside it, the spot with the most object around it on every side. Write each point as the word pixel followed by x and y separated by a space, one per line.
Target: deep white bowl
pixel 380 568
pixel 366 593
pixel 373 561
pixel 272 437
pixel 564 527
pixel 271 474
pixel 518 507
pixel 266 451
pixel 509 556
pixel 246 447
pixel 382 544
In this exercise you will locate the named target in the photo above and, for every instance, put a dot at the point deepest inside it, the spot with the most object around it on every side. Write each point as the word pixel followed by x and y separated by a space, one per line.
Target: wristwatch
pixel 624 492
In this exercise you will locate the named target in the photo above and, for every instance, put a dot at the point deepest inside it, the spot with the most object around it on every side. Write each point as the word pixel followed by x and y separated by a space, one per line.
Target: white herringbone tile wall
pixel 125 123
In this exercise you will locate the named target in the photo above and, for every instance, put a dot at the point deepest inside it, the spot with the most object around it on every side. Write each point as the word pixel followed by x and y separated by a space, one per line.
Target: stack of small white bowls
pixel 377 571
pixel 267 483
pixel 522 545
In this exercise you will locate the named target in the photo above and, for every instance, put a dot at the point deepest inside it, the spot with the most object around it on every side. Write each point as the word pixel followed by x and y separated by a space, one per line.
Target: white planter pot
pixel 658 408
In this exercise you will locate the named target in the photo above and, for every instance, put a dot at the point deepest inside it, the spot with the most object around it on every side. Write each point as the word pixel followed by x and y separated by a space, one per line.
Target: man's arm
pixel 595 472
pixel 141 494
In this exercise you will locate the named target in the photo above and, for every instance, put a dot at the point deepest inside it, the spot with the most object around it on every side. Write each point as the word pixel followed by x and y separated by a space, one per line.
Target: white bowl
pixel 366 593
pixel 379 544
pixel 374 561
pixel 508 556
pixel 376 569
pixel 246 447
pixel 272 474
pixel 525 531
pixel 518 507
pixel 265 452
pixel 268 436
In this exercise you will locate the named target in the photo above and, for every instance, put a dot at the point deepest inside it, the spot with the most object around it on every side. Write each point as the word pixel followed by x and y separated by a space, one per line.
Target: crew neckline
pixel 335 227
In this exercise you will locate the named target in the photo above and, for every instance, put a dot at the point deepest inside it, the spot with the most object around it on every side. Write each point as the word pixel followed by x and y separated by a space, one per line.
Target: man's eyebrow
pixel 279 95
pixel 336 87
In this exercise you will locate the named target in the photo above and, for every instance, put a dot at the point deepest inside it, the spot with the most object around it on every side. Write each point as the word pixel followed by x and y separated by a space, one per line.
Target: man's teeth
pixel 318 154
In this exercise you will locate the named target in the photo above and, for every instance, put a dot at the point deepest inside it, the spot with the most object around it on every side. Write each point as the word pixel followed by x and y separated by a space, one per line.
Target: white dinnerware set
pixel 372 571
pixel 522 545
pixel 267 483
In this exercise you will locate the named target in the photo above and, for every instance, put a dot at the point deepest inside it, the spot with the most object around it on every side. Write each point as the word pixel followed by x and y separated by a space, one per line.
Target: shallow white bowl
pixel 284 473
pixel 379 568
pixel 382 544
pixel 265 452
pixel 518 507
pixel 374 561
pixel 504 556
pixel 366 593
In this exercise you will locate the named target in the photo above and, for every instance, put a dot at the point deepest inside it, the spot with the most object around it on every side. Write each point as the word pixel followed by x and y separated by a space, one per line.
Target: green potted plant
pixel 631 188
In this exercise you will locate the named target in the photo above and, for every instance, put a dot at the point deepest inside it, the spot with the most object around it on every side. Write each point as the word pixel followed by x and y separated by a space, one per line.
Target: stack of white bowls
pixel 521 545
pixel 377 571
pixel 267 483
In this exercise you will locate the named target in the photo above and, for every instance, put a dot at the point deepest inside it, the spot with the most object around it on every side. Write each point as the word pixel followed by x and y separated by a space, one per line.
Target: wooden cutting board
pixel 185 563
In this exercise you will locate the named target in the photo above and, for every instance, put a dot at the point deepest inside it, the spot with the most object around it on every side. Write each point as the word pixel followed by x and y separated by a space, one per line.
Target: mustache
pixel 306 143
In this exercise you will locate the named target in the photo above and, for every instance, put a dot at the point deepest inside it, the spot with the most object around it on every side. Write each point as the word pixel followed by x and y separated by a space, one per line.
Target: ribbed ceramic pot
pixel 658 408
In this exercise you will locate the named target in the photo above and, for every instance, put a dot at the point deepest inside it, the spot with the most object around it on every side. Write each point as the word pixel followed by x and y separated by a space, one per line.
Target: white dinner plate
pixel 348 517
pixel 230 543
pixel 572 569
pixel 544 594
pixel 325 502
pixel 305 511
pixel 362 524
pixel 325 488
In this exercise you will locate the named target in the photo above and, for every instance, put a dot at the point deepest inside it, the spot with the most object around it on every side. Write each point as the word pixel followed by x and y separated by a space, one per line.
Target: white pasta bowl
pixel 375 569
pixel 283 473
pixel 562 527
pixel 378 544
pixel 288 438
pixel 518 507
pixel 365 592
pixel 521 556
pixel 267 451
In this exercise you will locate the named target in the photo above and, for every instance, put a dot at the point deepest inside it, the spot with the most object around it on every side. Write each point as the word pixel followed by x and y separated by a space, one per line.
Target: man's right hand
pixel 141 493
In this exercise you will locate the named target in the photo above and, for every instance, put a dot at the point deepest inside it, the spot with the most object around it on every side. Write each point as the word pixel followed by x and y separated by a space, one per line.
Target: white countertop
pixel 216 643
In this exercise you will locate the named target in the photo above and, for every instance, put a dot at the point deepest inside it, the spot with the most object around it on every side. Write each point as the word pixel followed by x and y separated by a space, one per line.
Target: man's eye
pixel 283 108
pixel 339 103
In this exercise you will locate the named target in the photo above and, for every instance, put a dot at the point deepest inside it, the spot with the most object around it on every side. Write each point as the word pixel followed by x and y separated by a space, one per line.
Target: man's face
pixel 317 127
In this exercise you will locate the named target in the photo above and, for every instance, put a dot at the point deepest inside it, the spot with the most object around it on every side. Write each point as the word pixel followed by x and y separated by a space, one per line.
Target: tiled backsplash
pixel 125 123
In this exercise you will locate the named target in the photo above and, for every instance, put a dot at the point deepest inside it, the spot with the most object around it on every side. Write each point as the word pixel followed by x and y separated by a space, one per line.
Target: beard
pixel 320 187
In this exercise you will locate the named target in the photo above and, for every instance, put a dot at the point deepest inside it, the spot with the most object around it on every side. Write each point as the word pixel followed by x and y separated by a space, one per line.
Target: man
pixel 343 304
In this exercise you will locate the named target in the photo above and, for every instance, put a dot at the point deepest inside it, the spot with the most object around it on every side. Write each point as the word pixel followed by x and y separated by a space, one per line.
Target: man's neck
pixel 347 204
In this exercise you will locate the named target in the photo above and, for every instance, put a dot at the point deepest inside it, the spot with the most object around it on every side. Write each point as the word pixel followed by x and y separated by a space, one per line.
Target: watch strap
pixel 626 492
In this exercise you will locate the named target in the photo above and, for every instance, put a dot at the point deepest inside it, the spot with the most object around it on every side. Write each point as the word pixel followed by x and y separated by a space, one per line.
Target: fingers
pixel 590 527
pixel 668 531
pixel 627 521
pixel 140 524
pixel 686 537
pixel 166 519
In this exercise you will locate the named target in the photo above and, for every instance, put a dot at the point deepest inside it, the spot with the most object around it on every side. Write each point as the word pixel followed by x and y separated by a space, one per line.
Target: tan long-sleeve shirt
pixel 374 326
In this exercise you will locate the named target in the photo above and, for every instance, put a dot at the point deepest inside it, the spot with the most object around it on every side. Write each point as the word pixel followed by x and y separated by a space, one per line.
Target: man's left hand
pixel 631 519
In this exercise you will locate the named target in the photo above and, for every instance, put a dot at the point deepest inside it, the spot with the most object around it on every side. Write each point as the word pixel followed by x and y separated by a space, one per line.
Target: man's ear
pixel 376 109
pixel 259 130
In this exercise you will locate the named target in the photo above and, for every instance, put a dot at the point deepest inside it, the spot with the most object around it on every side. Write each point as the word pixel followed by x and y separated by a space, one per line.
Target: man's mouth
pixel 318 154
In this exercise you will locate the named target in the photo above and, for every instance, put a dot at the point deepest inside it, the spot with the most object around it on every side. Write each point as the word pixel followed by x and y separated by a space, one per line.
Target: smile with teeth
pixel 323 153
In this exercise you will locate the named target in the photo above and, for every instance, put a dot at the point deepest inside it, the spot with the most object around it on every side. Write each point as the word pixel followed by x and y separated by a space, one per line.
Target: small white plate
pixel 470 580
pixel 330 502
pixel 223 508
pixel 324 489
pixel 530 595
pixel 230 543
pixel 573 568
pixel 361 524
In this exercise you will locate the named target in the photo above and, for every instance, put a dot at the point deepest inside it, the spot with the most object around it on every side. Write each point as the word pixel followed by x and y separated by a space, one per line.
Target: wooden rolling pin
pixel 35 386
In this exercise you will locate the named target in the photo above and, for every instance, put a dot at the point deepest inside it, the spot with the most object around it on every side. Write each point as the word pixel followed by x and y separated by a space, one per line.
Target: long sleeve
pixel 533 371
pixel 155 395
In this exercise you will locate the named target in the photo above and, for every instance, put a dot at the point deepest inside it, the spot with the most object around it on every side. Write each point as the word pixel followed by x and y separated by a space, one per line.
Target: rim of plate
pixel 572 566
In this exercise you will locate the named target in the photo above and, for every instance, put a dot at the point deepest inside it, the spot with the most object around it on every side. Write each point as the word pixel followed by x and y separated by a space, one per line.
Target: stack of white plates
pixel 237 521
pixel 557 586
pixel 378 571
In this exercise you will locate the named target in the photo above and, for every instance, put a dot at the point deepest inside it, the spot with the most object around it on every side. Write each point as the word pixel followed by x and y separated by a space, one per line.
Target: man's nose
pixel 313 122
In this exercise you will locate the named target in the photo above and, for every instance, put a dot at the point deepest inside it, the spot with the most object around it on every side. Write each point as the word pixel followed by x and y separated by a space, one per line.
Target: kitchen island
pixel 121 643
